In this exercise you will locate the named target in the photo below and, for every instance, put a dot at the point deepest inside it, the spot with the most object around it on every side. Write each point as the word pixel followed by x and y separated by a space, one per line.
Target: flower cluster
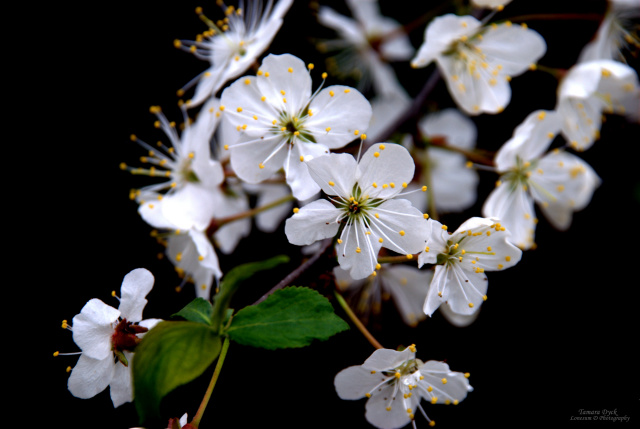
pixel 359 170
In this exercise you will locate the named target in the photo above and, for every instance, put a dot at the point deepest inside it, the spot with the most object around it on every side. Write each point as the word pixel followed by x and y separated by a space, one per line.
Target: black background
pixel 558 334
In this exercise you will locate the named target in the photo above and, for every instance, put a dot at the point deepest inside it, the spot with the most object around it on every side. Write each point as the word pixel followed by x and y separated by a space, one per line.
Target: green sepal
pixel 170 355
pixel 289 318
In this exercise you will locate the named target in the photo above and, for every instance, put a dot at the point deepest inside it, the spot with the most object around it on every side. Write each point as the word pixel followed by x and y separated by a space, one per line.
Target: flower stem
pixel 557 16
pixel 216 372
pixel 357 321
pixel 218 223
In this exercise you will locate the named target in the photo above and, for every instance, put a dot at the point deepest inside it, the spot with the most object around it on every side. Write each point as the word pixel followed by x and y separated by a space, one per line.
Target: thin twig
pixel 298 271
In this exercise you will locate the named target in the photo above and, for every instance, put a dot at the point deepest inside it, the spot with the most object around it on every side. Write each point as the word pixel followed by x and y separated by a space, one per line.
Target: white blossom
pixel 476 61
pixel 395 382
pixel 232 45
pixel 363 213
pixel 283 125
pixel 187 198
pixel 615 33
pixel 560 182
pixel 591 89
pixel 107 338
pixel 462 257
pixel 356 55
pixel 452 185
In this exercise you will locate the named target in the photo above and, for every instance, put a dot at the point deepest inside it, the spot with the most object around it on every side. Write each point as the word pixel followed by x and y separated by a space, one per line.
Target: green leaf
pixel 232 281
pixel 288 318
pixel 170 355
pixel 199 310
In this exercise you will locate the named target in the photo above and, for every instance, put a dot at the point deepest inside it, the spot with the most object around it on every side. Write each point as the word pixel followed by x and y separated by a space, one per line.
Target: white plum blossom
pixel 367 42
pixel 363 212
pixel 395 382
pixel 283 124
pixel 107 338
pixel 591 89
pixel 233 44
pixel 192 178
pixel 462 257
pixel 560 182
pixel 452 185
pixel 194 258
pixel 615 32
pixel 406 285
pixel 477 61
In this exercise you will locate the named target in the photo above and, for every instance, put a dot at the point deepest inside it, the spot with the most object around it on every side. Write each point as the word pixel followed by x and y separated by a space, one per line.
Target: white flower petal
pixel 93 328
pixel 435 374
pixel 339 115
pixel 513 205
pixel 90 376
pixel 355 382
pixel 357 250
pixel 388 166
pixel 402 227
pixel 387 359
pixel 121 389
pixel 315 221
pixel 334 173
pixel 135 287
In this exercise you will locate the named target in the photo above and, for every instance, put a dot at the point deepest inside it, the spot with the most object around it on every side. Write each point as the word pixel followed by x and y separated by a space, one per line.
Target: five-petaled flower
pixel 478 61
pixel 461 259
pixel 108 337
pixel 364 212
pixel 560 182
pixel 395 382
pixel 282 125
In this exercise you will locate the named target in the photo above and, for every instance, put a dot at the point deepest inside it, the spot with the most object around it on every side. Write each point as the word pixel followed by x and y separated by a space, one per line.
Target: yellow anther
pixel 290 70
pixel 368 395
pixel 429 389
pixel 55 354
pixel 358 250
pixel 261 165
pixel 424 189
pixel 380 240
pixel 426 249
pixel 434 400
pixel 444 381
pixel 471 304
pixel 239 109
pixel 296 209
pixel 331 93
pixel 327 129
pixel 398 375
pixel 310 66
pixel 445 227
pixel 467 375
pixel 376 154
pixel 339 241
